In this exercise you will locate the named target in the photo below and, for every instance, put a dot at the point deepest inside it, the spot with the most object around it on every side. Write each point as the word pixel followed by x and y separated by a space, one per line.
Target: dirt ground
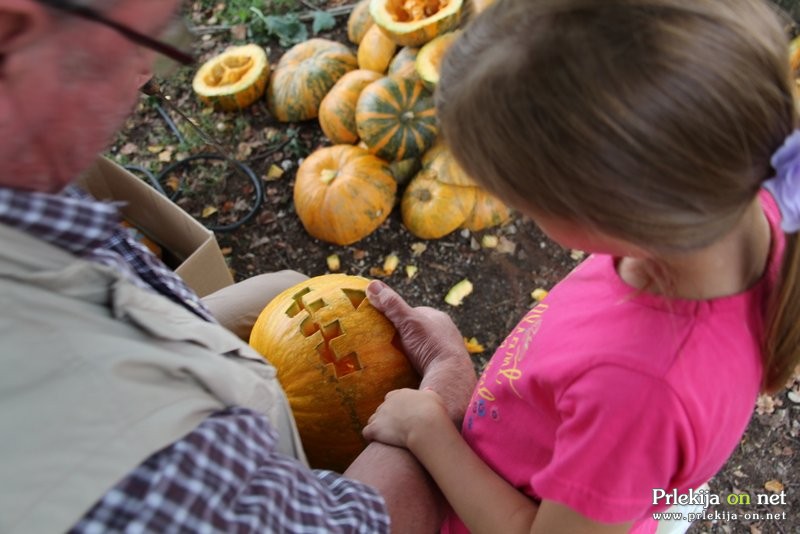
pixel 766 462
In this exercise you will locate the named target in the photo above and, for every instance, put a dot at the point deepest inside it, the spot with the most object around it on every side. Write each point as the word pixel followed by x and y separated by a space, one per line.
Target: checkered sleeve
pixel 226 476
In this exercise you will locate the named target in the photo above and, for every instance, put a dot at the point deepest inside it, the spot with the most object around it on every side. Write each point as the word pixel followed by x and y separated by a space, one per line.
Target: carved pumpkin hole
pixel 308 327
pixel 356 296
pixel 316 305
pixel 342 366
pixel 297 304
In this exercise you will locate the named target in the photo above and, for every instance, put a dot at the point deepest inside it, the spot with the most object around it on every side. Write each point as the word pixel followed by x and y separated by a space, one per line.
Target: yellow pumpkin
pixel 337 112
pixel 376 50
pixel 343 193
pixel 489 211
pixel 415 22
pixel 429 60
pixel 432 209
pixel 336 357
pixel 439 160
pixel 359 22
pixel 234 79
pixel 304 76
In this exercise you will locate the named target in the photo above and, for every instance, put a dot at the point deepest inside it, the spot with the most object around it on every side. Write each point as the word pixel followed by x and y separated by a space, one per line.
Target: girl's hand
pixel 405 416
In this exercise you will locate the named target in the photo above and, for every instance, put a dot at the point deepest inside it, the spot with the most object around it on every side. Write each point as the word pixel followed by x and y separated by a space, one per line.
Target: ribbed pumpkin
pixel 396 118
pixel 304 76
pixel 403 64
pixel 337 112
pixel 376 50
pixel 359 22
pixel 432 209
pixel 336 357
pixel 343 193
pixel 489 211
pixel 234 79
pixel 415 22
pixel 429 59
pixel 439 160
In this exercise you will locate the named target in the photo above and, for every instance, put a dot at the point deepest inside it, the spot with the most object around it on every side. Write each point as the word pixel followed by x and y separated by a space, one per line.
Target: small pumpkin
pixel 489 211
pixel 396 118
pixel 343 193
pixel 440 160
pixel 337 112
pixel 404 170
pixel 234 79
pixel 403 64
pixel 336 358
pixel 432 209
pixel 304 76
pixel 376 50
pixel 415 22
pixel 429 60
pixel 359 22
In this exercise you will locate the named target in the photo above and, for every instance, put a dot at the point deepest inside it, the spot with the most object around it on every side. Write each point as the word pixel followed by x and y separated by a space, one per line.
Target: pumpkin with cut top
pixel 336 357
pixel 415 22
pixel 234 79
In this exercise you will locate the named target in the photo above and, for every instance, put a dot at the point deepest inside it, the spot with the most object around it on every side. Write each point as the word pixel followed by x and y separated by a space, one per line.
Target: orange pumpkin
pixel 376 50
pixel 396 118
pixel 304 76
pixel 359 22
pixel 488 212
pixel 337 112
pixel 415 22
pixel 403 64
pixel 432 209
pixel 336 357
pixel 343 193
pixel 439 160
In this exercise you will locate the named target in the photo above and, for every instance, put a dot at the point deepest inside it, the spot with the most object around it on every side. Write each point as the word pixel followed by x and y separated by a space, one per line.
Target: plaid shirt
pixel 224 476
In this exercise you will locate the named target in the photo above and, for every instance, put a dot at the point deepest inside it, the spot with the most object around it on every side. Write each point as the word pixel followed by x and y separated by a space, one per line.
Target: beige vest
pixel 97 375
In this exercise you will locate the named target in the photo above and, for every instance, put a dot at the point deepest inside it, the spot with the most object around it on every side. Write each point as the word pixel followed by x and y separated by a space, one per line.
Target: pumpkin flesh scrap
pixel 415 10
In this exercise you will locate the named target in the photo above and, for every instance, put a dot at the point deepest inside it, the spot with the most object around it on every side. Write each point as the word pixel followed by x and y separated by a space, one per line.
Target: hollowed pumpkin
pixel 396 118
pixel 359 22
pixel 336 357
pixel 432 209
pixel 304 76
pixel 376 50
pixel 489 211
pixel 429 60
pixel 337 112
pixel 440 160
pixel 415 22
pixel 343 193
pixel 234 79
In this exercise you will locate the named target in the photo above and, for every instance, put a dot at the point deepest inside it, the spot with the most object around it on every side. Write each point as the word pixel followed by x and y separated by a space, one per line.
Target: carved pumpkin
pixel 415 22
pixel 337 112
pixel 440 160
pixel 489 211
pixel 376 50
pixel 396 118
pixel 430 56
pixel 234 79
pixel 343 193
pixel 432 209
pixel 336 357
pixel 403 64
pixel 304 76
pixel 359 22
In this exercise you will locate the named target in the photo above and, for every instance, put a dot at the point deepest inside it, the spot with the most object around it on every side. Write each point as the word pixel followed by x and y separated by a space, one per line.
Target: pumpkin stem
pixel 328 175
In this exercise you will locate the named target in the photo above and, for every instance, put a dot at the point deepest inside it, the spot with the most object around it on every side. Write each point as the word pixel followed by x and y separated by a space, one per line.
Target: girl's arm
pixel 482 499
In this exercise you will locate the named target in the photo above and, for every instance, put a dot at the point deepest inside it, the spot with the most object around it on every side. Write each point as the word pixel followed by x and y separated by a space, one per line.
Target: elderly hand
pixel 434 345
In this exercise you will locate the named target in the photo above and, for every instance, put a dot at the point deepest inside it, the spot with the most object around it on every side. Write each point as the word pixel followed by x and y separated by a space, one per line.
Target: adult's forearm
pixel 414 502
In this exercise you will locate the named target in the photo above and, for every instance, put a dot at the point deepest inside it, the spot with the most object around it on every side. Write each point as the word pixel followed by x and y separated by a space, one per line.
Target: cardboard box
pixel 189 247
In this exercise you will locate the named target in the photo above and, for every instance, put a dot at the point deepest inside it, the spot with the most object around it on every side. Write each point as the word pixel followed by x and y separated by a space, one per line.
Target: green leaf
pixel 288 28
pixel 322 21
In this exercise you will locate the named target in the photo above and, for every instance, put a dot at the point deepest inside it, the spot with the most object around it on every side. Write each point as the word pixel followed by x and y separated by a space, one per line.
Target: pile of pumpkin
pixel 376 106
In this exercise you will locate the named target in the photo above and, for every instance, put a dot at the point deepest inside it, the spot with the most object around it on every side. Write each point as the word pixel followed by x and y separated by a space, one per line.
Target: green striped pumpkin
pixel 304 76
pixel 337 113
pixel 396 118
pixel 403 64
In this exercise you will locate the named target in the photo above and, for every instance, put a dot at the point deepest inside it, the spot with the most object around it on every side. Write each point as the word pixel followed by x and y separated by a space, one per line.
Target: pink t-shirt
pixel 601 394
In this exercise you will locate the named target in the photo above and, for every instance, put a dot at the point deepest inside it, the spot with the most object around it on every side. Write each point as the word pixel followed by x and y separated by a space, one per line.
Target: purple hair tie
pixel 785 185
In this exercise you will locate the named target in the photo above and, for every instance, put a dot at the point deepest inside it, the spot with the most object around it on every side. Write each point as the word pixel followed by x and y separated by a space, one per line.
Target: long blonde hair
pixel 652 121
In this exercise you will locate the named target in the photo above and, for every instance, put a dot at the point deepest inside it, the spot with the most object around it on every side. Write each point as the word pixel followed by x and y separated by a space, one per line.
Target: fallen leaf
pixel 173 182
pixel 359 254
pixel 239 32
pixel 165 156
pixel 208 211
pixel 774 486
